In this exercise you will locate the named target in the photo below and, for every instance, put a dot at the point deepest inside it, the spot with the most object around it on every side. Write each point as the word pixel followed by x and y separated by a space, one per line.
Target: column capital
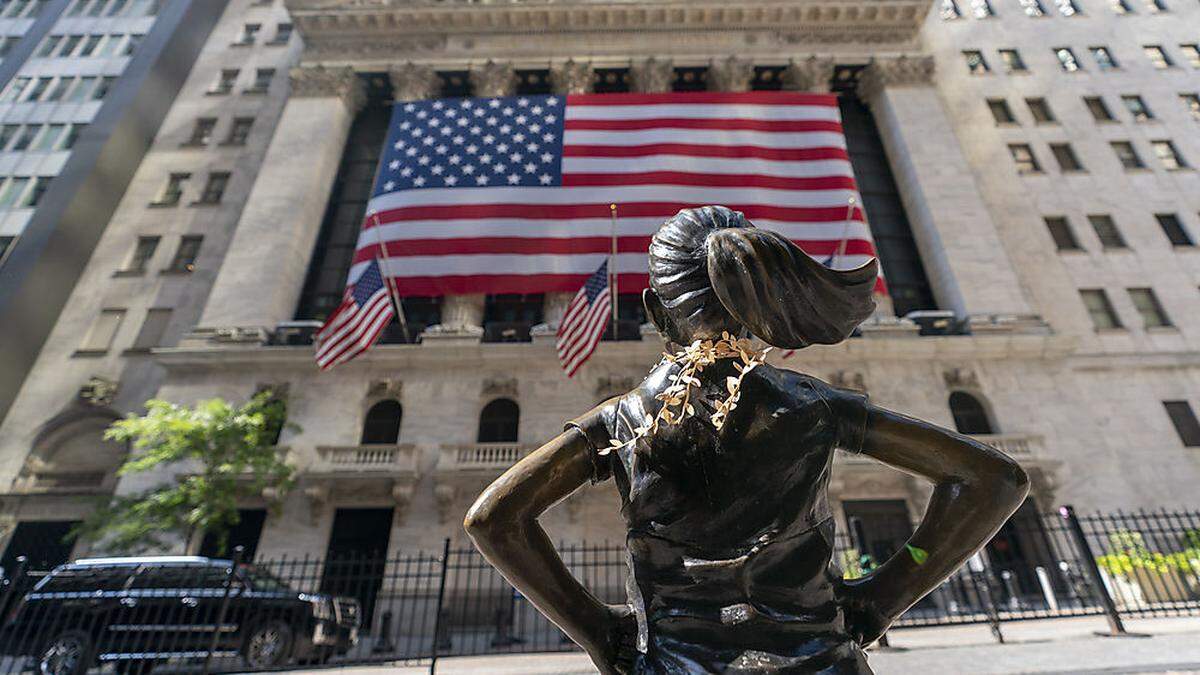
pixel 321 82
pixel 572 77
pixel 813 74
pixel 652 75
pixel 899 71
pixel 730 74
pixel 413 82
pixel 493 79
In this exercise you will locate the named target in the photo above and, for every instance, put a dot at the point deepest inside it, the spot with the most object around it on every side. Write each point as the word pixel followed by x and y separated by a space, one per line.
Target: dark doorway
pixel 355 559
pixel 878 527
pixel 970 417
pixel 245 533
pixel 46 543
pixel 499 422
pixel 1018 549
pixel 382 425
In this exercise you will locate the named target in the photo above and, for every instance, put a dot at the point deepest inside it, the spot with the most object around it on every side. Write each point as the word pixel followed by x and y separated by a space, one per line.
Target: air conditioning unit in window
pixel 295 333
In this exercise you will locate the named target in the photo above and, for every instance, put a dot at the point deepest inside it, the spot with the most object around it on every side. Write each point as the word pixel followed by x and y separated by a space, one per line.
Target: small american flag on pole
pixel 353 327
pixel 583 324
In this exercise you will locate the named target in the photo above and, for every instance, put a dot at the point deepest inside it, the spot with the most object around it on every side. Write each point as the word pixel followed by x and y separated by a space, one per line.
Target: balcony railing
pixel 365 459
pixel 482 456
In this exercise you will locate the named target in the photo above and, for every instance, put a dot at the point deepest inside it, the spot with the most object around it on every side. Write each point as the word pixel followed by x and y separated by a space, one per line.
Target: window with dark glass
pixel 381 426
pixel 214 188
pixel 225 81
pixel 1032 8
pixel 1066 59
pixel 48 140
pixel 248 34
pixel 103 88
pixel 6 243
pixel 499 422
pixel 631 314
pixel 690 79
pixel 768 78
pixel 508 317
pixel 1127 155
pixel 25 138
pixel 34 198
pixel 143 251
pixel 611 80
pixel 1001 113
pixel 1104 58
pixel 1040 109
pixel 1185 422
pixel 1106 231
pixel 173 190
pixel 1120 7
pixel 1095 300
pixel 49 45
pixel 39 88
pixel 455 83
pixel 1168 156
pixel 185 255
pixel 262 80
pixel 1147 305
pixel 1064 154
pixel 283 33
pixel 976 64
pixel 1099 109
pixel 1192 103
pixel 1067 7
pixel 1137 108
pixel 981 9
pixel 1173 228
pixel 970 417
pixel 534 82
pixel 1158 56
pixel 1155 6
pixel 1023 155
pixel 239 130
pixel 1013 63
pixel 202 131
pixel 1062 234
pixel 89 45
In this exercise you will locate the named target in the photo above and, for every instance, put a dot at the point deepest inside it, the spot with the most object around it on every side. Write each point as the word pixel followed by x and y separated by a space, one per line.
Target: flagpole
pixel 841 249
pixel 382 256
pixel 612 269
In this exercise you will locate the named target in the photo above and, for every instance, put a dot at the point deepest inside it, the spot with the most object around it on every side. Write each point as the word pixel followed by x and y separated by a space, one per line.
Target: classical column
pixel 262 276
pixel 413 82
pixel 493 79
pixel 964 258
pixel 731 74
pixel 570 77
pixel 652 75
pixel 813 74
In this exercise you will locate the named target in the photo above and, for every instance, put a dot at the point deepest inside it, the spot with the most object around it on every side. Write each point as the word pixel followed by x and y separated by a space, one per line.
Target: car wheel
pixel 68 653
pixel 268 645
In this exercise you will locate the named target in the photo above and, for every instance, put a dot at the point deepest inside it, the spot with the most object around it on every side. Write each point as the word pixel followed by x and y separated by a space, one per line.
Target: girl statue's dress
pixel 722 464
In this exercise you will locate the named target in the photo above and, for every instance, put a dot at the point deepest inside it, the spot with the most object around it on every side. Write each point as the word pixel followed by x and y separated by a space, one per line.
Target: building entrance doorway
pixel 46 543
pixel 246 534
pixel 355 558
pixel 1020 547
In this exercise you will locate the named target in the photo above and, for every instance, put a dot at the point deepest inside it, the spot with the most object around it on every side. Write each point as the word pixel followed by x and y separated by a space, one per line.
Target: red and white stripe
pixel 351 330
pixel 581 329
pixel 779 157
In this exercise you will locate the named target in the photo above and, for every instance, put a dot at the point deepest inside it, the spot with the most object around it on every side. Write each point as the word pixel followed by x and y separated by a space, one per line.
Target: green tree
pixel 219 453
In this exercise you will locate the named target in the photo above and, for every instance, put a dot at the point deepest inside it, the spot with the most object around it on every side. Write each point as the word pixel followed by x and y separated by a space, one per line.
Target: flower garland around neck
pixel 692 360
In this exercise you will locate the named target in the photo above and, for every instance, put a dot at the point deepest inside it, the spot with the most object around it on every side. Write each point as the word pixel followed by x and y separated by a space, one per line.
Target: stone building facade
pixel 995 326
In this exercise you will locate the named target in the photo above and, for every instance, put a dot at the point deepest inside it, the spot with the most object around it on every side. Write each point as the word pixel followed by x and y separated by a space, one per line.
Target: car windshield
pixel 262 580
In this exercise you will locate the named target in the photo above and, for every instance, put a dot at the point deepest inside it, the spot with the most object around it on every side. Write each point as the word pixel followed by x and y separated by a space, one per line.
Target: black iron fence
pixel 195 616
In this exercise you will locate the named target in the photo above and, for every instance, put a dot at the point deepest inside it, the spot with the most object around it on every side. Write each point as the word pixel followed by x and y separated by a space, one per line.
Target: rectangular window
pixel 1099 308
pixel 239 131
pixel 1023 156
pixel 1061 233
pixel 214 188
pixel 6 134
pixel 132 43
pixel 1066 7
pixel 262 80
pixel 1137 108
pixel 1104 58
pixel 90 44
pixel 6 244
pixel 1040 109
pixel 202 132
pixel 143 251
pixel 1191 52
pixel 1173 228
pixel 185 255
pixel 1000 111
pixel 981 9
pixel 1168 156
pixel 13 191
pixel 103 88
pixel 1155 6
pixel 38 89
pixel 283 33
pixel 72 136
pixel 1157 56
pixel 153 329
pixel 60 89
pixel 1127 155
pixel 116 7
pixel 1066 59
pixel 1065 156
pixel 69 45
pixel 1184 421
pixel 1148 306
pixel 249 33
pixel 49 45
pixel 173 190
pixel 48 141
pixel 82 90
pixel 1106 231
pixel 1032 8
pixel 40 185
pixel 225 82
pixel 976 64
pixel 110 46
pixel 1013 63
pixel 25 137
pixel 950 10
pixel 1192 103
pixel 15 90
pixel 100 336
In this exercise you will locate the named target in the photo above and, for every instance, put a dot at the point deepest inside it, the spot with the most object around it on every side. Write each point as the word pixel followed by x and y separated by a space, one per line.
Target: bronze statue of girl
pixel 722 463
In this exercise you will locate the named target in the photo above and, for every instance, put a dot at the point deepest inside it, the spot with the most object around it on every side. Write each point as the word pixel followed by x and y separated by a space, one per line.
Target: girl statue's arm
pixel 976 489
pixel 503 523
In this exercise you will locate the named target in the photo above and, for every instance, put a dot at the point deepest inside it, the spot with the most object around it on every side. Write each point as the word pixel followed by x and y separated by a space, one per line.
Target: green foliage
pixel 856 565
pixel 1129 552
pixel 919 555
pixel 218 453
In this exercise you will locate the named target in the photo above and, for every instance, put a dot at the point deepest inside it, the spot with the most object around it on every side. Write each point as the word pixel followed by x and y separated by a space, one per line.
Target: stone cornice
pixel 900 71
pixel 352 29
pixel 322 82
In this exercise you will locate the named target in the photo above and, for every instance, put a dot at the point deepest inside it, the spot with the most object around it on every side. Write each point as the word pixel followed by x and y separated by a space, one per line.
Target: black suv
pixel 134 612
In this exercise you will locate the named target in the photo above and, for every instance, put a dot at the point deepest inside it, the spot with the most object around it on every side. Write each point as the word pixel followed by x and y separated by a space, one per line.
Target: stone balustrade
pixel 479 456
pixel 364 458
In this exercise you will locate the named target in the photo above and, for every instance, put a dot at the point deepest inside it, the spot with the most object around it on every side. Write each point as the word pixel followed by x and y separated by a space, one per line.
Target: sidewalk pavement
pixel 1047 646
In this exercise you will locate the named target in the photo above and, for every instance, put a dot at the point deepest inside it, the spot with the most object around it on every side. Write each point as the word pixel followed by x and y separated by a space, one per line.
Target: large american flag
pixel 583 323
pixel 511 194
pixel 365 311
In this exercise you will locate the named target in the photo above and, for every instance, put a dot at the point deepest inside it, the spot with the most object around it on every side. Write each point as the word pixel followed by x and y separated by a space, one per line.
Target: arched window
pixel 382 425
pixel 970 417
pixel 498 421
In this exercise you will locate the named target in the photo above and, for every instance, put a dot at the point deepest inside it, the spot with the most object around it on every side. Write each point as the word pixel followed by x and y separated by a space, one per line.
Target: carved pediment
pixel 98 391
pixel 500 387
pixel 960 378
pixel 385 389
